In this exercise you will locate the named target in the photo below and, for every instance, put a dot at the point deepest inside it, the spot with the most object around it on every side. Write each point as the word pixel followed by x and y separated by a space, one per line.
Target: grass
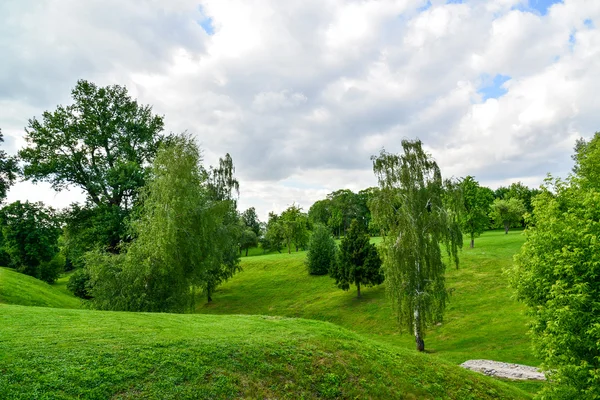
pixel 17 288
pixel 62 354
pixel 483 320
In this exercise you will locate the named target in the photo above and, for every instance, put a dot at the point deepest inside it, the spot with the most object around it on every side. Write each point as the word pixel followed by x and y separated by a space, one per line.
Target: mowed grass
pixel 21 289
pixel 61 354
pixel 483 319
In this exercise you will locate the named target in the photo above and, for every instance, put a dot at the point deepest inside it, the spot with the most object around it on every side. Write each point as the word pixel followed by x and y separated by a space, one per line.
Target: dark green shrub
pixel 79 284
pixel 322 251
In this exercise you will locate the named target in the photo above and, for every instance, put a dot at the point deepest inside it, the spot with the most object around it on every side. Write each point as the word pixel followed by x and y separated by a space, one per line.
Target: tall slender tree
pixel 477 201
pixel 410 205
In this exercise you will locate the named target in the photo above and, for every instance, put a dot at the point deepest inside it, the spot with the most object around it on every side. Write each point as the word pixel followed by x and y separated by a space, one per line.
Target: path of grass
pixel 483 320
pixel 63 354
pixel 17 288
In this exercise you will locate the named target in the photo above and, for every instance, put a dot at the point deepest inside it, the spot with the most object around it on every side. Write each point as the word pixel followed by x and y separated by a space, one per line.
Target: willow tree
pixel 419 212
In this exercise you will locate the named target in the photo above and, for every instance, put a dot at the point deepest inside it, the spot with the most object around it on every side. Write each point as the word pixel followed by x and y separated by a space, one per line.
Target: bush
pixel 322 251
pixel 50 270
pixel 79 284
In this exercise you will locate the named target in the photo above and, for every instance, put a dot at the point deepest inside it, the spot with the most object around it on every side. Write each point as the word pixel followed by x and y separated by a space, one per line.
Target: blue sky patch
pixel 492 88
pixel 589 24
pixel 205 22
pixel 542 6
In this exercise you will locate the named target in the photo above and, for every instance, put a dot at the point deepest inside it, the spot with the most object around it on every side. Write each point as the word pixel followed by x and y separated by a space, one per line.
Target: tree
pixel 320 212
pixel 477 202
pixel 507 213
pixel 174 240
pixel 30 232
pixel 322 251
pixel 410 207
pixel 251 221
pixel 223 189
pixel 557 275
pixel 358 263
pixel 103 144
pixel 8 171
pixel 273 239
pixel 248 239
pixel 294 227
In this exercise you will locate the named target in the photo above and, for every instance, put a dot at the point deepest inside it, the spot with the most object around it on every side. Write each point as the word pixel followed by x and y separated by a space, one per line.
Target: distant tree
pixel 273 239
pixel 507 213
pixel 103 144
pixel 30 232
pixel 557 274
pixel 336 221
pixel 251 221
pixel 477 202
pixel 294 227
pixel 248 239
pixel 358 262
pixel 410 206
pixel 322 251
pixel 346 203
pixel 8 171
pixel 364 198
pixel 320 212
pixel 501 192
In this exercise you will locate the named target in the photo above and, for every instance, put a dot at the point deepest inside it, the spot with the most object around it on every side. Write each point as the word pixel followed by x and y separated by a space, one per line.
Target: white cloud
pixel 301 93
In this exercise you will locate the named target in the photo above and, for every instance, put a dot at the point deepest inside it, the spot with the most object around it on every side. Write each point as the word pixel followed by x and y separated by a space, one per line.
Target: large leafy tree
pixel 358 262
pixel 477 201
pixel 273 239
pixel 103 143
pixel 557 274
pixel 251 221
pixel 30 232
pixel 176 239
pixel 507 213
pixel 410 206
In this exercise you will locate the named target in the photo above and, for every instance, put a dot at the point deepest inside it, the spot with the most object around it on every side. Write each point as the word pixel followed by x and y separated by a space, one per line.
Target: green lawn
pixel 17 288
pixel 62 354
pixel 483 319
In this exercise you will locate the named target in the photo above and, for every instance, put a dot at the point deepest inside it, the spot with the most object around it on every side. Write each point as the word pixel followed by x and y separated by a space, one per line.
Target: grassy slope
pixel 59 353
pixel 483 320
pixel 17 288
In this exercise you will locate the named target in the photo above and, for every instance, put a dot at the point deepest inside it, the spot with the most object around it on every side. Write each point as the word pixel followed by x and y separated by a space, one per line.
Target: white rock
pixel 504 370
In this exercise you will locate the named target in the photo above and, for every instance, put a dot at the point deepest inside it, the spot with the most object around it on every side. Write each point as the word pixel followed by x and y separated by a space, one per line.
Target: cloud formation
pixel 302 93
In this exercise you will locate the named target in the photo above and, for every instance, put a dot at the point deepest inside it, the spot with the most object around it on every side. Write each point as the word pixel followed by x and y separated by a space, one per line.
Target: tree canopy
pixel 322 251
pixel 557 274
pixel 507 213
pixel 410 206
pixel 8 171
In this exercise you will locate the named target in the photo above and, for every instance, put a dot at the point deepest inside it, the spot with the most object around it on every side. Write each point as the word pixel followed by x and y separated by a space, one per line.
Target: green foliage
pixel 507 213
pixel 79 284
pixel 294 228
pixel 9 170
pixel 557 275
pixel 322 251
pixel 74 354
pixel 250 220
pixel 173 240
pixel 477 201
pixel 101 144
pixel 410 205
pixel 358 262
pixel 273 239
pixel 248 239
pixel 31 233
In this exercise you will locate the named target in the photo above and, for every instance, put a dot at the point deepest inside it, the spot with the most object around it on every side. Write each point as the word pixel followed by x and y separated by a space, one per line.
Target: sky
pixel 302 93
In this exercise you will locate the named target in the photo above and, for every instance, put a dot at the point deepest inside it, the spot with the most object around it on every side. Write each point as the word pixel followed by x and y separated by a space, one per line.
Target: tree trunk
pixel 358 290
pixel 247 251
pixel 208 294
pixel 506 226
pixel 472 242
pixel 418 335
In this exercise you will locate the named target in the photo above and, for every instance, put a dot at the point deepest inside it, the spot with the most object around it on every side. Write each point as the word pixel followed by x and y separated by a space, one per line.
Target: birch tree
pixel 413 206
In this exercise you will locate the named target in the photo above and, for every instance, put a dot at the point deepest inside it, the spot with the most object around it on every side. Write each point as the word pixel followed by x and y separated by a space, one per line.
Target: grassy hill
pixel 483 319
pixel 17 288
pixel 60 353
